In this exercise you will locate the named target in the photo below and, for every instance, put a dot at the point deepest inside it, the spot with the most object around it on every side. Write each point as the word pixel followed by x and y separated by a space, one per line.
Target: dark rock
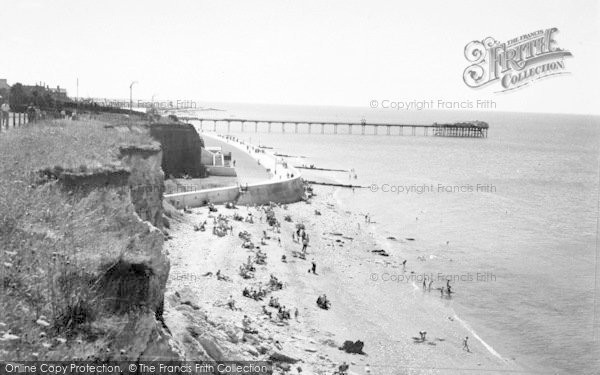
pixel 281 357
pixel 353 347
pixel 381 252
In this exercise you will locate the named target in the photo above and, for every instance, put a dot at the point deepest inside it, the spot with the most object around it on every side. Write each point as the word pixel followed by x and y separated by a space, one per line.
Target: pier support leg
pixel 349 128
pixel 228 126
pixel 376 129
pixel 296 127
pixel 322 128
pixel 269 127
pixel 309 128
pixel 414 131
pixel 242 126
pixel 215 125
pixel 283 127
pixel 256 127
pixel 388 130
pixel 335 129
pixel 362 129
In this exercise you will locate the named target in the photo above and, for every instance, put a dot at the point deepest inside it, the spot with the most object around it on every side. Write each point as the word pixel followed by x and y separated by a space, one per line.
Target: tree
pixel 18 98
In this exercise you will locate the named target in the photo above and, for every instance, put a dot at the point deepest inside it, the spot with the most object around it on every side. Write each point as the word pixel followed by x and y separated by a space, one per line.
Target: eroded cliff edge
pixel 83 265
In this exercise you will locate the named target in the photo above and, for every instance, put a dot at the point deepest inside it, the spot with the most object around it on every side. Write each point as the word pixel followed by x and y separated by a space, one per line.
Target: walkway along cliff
pixel 285 186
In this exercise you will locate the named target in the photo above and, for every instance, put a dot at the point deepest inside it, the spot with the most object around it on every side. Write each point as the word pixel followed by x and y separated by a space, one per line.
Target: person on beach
pixel 5 109
pixel 429 288
pixel 424 283
pixel 267 312
pixel 343 368
pixel 466 344
pixel 231 303
pixel 314 267
pixel 442 292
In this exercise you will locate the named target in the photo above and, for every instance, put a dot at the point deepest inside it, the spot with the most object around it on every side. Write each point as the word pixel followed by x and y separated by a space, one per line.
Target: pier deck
pixel 472 129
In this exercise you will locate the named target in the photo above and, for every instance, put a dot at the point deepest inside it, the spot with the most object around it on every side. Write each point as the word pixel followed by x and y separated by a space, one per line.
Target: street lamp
pixel 131 97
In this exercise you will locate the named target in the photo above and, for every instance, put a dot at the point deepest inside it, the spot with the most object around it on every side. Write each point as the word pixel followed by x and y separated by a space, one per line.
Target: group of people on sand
pixel 220 276
pixel 255 294
pixel 323 302
pixel 221 226
pixel 259 293
pixel 300 236
pixel 283 313
pixel 247 272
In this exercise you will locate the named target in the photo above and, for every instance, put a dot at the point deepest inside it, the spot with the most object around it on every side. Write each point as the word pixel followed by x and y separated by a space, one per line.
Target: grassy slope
pixel 51 242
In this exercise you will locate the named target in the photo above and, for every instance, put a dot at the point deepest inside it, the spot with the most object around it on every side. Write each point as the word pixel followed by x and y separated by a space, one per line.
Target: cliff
pixel 181 147
pixel 84 269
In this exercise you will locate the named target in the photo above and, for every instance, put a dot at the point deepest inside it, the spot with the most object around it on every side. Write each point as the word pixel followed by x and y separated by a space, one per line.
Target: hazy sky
pixel 300 52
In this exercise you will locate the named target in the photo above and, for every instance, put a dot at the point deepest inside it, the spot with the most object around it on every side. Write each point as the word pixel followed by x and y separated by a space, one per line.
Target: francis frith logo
pixel 515 63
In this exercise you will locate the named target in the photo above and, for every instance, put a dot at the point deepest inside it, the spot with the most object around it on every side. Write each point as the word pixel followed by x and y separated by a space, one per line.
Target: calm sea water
pixel 528 232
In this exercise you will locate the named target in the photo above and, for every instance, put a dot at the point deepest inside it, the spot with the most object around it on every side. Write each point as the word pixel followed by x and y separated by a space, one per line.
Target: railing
pixel 15 119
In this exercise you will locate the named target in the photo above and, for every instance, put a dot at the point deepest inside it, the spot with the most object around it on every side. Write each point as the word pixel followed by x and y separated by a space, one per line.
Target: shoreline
pixel 341 259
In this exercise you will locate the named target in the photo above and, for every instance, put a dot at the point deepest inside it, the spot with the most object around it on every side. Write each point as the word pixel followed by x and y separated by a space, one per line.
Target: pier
pixel 470 129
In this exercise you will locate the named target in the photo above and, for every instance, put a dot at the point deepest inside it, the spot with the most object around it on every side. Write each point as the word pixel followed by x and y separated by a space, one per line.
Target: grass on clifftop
pixel 51 241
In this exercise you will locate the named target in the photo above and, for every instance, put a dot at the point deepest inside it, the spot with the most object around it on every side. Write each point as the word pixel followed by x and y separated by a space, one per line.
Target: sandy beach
pixel 374 298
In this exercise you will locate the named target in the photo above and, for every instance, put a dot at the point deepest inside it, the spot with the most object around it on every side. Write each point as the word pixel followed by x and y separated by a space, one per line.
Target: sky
pixel 343 53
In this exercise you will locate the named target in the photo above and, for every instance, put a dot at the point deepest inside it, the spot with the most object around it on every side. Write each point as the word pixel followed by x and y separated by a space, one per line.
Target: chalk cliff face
pixel 182 149
pixel 146 181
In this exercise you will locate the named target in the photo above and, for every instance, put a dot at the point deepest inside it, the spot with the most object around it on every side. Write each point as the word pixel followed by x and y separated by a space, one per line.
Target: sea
pixel 512 218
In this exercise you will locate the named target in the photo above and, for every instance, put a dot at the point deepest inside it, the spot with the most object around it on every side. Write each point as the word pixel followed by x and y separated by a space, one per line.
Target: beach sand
pixel 385 315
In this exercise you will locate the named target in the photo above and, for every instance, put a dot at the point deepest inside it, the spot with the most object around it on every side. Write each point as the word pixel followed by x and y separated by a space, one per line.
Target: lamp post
pixel 131 97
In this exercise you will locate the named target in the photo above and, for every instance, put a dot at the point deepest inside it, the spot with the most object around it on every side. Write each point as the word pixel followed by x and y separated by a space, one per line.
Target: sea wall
pixel 202 197
pixel 285 191
pixel 221 171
